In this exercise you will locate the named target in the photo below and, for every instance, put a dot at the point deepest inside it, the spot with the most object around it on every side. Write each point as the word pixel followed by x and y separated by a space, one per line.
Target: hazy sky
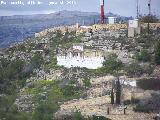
pixel 121 7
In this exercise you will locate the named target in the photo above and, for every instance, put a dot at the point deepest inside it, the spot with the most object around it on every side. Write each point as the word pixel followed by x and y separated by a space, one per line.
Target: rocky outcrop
pixel 25 103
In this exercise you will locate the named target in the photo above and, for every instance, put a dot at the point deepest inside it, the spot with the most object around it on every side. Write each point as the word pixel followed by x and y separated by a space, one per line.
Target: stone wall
pixel 153 26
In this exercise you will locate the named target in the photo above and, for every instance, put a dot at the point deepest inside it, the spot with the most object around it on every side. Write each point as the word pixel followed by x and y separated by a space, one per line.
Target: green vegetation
pixel 112 96
pixel 141 108
pixel 149 18
pixel 112 65
pixel 143 56
pixel 78 116
pixel 118 92
pixel 37 60
pixel 47 103
pixel 11 72
pixel 9 111
pixel 157 53
pixel 100 118
pixel 86 82
pixel 149 105
pixel 47 94
pixel 134 69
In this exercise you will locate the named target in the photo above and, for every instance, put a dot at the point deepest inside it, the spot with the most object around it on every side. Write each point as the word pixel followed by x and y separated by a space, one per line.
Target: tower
pixel 102 17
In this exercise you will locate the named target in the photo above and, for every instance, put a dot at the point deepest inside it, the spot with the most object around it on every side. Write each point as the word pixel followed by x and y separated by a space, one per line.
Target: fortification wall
pixel 109 26
pixel 95 27
pixel 153 26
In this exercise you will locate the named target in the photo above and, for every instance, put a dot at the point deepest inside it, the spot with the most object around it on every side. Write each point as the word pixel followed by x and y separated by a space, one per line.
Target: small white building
pixel 133 28
pixel 111 20
pixel 133 23
pixel 77 56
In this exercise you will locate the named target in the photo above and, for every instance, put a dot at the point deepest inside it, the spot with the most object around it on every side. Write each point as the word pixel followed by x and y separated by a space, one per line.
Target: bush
pixel 100 118
pixel 149 18
pixel 143 56
pixel 70 91
pixel 127 102
pixel 86 82
pixel 134 69
pixel 157 53
pixel 142 108
pixel 78 116
pixel 37 60
pixel 112 64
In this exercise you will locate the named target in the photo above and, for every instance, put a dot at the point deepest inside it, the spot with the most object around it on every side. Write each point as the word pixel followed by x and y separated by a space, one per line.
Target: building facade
pixel 78 56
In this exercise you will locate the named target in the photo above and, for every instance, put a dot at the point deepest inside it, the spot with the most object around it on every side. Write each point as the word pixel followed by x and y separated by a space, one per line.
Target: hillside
pixel 33 86
pixel 18 28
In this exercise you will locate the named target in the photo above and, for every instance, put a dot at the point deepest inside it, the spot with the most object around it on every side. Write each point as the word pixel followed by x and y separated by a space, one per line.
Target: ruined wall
pixel 92 53
pixel 95 27
pixel 153 26
pixel 82 29
pixel 109 26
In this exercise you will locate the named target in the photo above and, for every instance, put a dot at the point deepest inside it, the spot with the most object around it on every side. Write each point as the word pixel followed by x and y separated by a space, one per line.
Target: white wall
pixel 91 63
pixel 133 23
pixel 111 20
pixel 78 47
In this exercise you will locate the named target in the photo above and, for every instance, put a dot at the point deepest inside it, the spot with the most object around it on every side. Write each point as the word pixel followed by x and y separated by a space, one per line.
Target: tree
pixel 149 19
pixel 112 65
pixel 112 96
pixel 157 53
pixel 118 92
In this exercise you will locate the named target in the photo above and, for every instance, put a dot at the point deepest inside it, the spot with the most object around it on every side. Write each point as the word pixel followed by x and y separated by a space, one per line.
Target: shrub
pixel 157 53
pixel 112 64
pixel 142 108
pixel 143 56
pixel 134 69
pixel 86 82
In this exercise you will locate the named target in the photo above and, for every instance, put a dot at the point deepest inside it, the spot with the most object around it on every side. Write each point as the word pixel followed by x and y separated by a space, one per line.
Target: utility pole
pixel 149 15
pixel 137 9
pixel 149 7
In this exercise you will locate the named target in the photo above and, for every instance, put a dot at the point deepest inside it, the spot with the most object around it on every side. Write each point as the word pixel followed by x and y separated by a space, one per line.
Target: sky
pixel 121 7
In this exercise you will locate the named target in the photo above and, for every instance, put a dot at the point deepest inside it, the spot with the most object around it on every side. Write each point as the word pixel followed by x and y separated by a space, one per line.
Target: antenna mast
pixel 149 7
pixel 137 9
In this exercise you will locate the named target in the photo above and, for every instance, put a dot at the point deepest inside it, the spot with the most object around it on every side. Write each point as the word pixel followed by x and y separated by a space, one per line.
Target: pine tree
pixel 112 97
pixel 157 53
pixel 118 92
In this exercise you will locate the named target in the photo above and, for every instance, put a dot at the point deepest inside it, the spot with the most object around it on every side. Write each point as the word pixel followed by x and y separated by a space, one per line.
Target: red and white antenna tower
pixel 102 16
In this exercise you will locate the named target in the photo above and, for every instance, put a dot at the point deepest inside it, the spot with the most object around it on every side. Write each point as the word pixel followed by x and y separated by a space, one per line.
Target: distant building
pixel 111 20
pixel 133 28
pixel 78 56
pixel 133 23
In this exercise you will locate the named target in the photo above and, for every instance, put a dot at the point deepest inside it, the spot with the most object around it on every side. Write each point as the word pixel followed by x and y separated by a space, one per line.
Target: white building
pixel 77 56
pixel 111 20
pixel 133 23
pixel 133 28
